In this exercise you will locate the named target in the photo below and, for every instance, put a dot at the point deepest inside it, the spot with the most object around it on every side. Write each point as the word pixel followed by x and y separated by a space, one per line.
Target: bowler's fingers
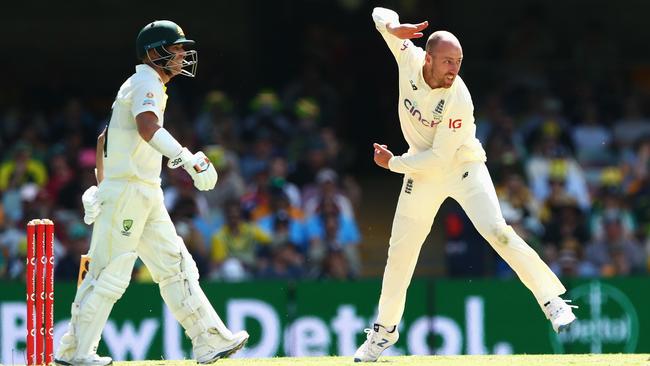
pixel 417 28
pixel 421 26
pixel 379 148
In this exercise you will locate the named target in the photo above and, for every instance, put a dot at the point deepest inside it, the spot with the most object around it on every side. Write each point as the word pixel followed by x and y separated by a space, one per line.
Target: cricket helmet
pixel 159 35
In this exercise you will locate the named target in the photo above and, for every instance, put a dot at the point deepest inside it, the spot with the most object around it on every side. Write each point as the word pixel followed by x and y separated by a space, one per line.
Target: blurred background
pixel 288 99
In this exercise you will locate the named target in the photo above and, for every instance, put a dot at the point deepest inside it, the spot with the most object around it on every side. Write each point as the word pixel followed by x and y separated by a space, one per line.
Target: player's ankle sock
pixel 388 329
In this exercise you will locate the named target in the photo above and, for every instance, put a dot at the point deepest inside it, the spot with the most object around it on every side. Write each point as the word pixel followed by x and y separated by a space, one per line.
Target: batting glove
pixel 92 206
pixel 198 166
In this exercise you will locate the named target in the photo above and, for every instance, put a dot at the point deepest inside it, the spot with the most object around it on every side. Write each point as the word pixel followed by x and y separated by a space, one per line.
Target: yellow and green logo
pixel 126 226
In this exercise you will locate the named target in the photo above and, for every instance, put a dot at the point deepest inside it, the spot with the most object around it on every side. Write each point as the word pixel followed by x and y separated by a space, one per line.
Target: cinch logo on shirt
pixel 411 108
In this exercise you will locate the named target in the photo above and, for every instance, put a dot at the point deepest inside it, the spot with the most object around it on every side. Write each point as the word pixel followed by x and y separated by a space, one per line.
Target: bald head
pixel 442 38
pixel 442 60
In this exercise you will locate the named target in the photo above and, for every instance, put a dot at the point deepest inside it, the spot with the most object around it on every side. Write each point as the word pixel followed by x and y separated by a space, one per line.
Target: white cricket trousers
pixel 133 222
pixel 421 196
pixel 134 219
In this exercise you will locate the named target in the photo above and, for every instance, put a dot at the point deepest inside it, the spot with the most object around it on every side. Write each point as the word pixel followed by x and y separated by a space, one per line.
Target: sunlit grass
pixel 489 360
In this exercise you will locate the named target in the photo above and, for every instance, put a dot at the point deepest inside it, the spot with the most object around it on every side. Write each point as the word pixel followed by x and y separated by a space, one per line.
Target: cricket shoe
pixel 225 348
pixel 559 313
pixel 378 339
pixel 90 360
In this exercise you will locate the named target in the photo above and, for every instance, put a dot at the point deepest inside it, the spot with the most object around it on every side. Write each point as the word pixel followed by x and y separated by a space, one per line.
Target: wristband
pixel 165 143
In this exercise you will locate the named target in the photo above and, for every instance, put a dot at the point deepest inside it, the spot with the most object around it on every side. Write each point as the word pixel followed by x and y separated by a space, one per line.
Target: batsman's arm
pixel 198 166
pixel 158 137
pixel 147 101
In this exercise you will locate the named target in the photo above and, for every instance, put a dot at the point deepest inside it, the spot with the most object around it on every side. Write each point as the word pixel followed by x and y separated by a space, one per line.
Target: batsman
pixel 444 159
pixel 130 219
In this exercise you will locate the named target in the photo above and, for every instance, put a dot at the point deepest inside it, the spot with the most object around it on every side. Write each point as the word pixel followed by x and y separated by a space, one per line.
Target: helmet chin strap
pixel 167 72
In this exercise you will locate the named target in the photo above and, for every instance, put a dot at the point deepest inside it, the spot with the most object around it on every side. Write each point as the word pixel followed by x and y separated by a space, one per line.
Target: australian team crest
pixel 437 112
pixel 126 226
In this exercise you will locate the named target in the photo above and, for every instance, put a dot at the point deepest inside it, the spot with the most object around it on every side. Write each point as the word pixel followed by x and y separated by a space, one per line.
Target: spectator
pixel 283 261
pixel 326 188
pixel 283 222
pixel 266 116
pixel 592 140
pixel 336 266
pixel 615 255
pixel 12 247
pixel 545 172
pixel 278 174
pixel 611 204
pixel 515 197
pixel 259 157
pixel 630 126
pixel 217 123
pixel 562 218
pixel 21 169
pixel 570 261
pixel 466 253
pixel 329 229
pixel 237 240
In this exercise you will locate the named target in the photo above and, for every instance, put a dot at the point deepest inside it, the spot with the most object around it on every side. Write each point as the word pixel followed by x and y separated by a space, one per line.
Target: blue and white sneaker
pixel 378 339
pixel 559 313
pixel 223 348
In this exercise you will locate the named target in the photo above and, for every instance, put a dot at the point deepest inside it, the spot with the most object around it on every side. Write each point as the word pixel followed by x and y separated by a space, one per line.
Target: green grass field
pixel 526 360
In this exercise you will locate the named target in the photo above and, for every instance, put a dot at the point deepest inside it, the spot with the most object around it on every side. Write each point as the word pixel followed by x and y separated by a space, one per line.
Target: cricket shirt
pixel 126 154
pixel 438 124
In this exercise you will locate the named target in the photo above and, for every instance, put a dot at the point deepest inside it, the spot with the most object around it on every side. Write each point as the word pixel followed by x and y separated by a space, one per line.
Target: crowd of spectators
pixel 283 207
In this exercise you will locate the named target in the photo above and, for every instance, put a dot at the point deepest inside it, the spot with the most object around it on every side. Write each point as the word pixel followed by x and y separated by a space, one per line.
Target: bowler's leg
pixel 418 203
pixel 478 198
pixel 417 206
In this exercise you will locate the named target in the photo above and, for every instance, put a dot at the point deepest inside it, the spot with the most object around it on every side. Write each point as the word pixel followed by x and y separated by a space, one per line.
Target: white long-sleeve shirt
pixel 438 124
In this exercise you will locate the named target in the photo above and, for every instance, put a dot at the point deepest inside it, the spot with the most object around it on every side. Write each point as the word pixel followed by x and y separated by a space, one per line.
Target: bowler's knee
pixel 499 234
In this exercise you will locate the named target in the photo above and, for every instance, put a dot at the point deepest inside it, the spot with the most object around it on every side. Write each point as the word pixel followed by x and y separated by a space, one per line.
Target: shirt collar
pixel 421 80
pixel 144 68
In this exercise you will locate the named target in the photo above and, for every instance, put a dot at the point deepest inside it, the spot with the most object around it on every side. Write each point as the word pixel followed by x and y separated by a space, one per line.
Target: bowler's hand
pixel 382 155
pixel 407 31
